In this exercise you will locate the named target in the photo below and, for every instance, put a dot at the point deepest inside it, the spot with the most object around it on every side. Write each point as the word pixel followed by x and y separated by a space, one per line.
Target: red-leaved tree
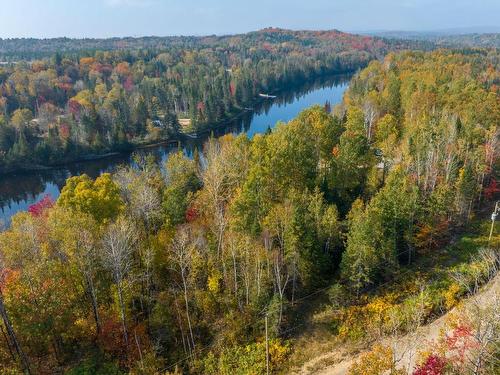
pixel 433 365
pixel 38 209
pixel 491 189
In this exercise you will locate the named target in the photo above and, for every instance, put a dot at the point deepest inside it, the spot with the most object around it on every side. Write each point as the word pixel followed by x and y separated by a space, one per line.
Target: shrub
pixel 433 365
pixel 244 360
pixel 379 361
pixel 338 296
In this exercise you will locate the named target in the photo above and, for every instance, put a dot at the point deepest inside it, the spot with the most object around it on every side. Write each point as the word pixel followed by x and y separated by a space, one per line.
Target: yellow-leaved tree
pixel 99 198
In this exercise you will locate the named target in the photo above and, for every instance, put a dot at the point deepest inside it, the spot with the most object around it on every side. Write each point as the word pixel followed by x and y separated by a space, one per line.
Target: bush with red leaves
pixel 37 209
pixel 460 342
pixel 492 189
pixel 433 365
pixel 191 214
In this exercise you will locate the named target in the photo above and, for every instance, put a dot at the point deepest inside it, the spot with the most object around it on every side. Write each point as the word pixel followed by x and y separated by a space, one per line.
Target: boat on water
pixel 267 96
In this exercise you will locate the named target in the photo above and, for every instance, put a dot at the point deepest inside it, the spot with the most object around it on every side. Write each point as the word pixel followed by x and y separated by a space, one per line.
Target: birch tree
pixel 118 244
pixel 181 252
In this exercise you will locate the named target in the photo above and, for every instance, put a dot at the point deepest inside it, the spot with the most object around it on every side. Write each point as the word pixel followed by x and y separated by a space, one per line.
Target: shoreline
pixel 180 137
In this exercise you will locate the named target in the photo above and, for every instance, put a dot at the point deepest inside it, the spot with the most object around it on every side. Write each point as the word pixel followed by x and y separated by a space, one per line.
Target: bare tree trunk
pixel 258 275
pixel 281 283
pixel 187 309
pixel 179 320
pixel 93 301
pixel 149 283
pixel 281 311
pixel 7 342
pixel 138 349
pixel 122 312
pixel 235 272
pixel 119 243
pixel 12 335
pixel 220 234
pixel 477 365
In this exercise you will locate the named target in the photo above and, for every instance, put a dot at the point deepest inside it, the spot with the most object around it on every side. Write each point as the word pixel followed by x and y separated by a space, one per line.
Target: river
pixel 20 190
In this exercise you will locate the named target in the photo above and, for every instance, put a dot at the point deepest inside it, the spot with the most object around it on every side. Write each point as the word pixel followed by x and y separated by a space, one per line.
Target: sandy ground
pixel 406 348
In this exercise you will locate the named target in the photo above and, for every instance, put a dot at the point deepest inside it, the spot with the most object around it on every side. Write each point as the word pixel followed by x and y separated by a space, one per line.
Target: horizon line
pixel 446 31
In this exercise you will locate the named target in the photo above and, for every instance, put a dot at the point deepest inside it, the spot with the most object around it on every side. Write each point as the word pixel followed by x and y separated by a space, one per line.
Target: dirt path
pixel 406 348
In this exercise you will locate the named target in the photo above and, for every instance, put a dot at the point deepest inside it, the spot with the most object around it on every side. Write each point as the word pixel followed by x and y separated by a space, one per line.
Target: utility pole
pixel 267 348
pixel 493 218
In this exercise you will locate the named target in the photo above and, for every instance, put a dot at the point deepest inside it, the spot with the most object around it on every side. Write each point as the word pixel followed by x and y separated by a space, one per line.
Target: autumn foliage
pixel 433 365
pixel 152 267
pixel 39 208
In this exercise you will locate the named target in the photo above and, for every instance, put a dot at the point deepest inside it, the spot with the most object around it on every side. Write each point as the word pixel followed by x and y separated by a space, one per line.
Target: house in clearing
pixel 185 123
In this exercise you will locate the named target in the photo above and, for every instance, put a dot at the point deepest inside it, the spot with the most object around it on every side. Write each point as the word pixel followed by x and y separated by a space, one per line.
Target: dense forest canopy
pixel 143 272
pixel 29 48
pixel 108 95
pixel 469 40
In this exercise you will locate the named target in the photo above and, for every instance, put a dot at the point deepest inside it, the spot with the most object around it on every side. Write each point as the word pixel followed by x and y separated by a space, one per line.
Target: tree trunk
pixel 122 312
pixel 187 310
pixel 139 349
pixel 93 301
pixel 235 273
pixel 12 335
pixel 281 311
pixel 7 341
pixel 179 320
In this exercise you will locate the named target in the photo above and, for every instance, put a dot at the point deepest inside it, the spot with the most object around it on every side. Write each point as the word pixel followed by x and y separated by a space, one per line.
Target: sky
pixel 108 18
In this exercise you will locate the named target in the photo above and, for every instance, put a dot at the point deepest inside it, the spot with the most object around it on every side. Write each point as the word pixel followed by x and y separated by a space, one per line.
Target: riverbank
pixel 20 189
pixel 180 138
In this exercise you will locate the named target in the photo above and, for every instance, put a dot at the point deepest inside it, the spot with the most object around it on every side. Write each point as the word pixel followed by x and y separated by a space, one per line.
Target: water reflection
pixel 19 191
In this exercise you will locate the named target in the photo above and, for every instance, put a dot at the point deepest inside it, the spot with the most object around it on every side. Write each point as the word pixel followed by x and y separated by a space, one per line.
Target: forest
pixel 177 270
pixel 84 98
pixel 447 40
pixel 18 49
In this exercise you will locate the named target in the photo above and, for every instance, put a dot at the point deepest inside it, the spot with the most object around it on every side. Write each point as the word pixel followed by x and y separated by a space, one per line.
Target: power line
pixel 265 311
pixel 378 286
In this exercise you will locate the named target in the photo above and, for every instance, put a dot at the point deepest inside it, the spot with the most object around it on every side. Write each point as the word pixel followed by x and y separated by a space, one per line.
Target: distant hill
pixel 334 40
pixel 460 37
pixel 442 32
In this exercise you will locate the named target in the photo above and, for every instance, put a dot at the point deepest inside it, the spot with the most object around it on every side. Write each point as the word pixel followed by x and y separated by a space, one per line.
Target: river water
pixel 19 191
